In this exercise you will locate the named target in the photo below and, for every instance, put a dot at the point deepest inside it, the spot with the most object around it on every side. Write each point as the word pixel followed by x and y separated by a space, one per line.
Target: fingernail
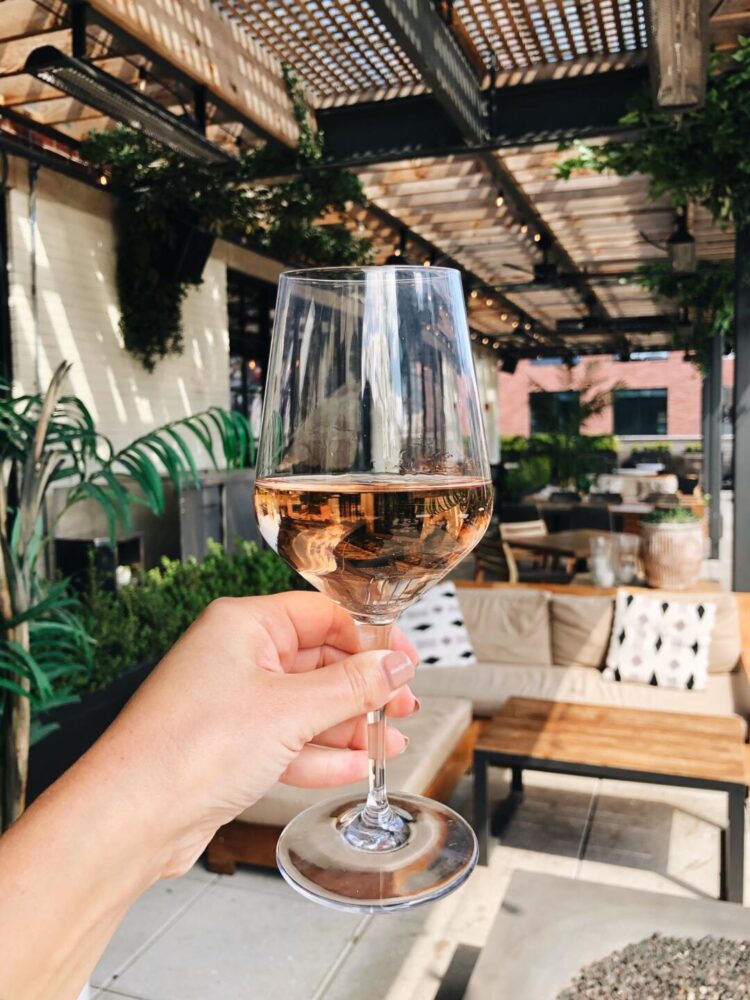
pixel 417 705
pixel 406 744
pixel 399 669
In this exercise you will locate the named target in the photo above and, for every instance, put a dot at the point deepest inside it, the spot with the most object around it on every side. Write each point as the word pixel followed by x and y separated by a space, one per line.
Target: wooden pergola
pixel 451 112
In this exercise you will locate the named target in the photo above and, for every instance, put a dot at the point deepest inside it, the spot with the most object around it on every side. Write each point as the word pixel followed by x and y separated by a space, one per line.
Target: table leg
pixel 735 850
pixel 516 781
pixel 481 810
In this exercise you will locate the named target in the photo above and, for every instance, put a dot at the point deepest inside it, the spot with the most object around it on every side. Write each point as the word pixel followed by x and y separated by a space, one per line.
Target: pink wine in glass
pixel 373 543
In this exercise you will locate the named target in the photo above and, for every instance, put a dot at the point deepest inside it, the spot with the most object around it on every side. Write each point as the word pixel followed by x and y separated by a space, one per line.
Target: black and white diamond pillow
pixel 660 642
pixel 435 625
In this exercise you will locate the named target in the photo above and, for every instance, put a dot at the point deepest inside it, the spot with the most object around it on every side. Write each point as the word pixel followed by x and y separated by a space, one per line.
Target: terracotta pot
pixel 672 554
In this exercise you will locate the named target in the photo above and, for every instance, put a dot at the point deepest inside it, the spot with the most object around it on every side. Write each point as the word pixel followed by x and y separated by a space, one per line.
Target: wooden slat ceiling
pixel 344 55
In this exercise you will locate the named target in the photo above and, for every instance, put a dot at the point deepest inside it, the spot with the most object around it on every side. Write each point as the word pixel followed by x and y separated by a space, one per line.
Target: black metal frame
pixel 742 410
pixel 733 856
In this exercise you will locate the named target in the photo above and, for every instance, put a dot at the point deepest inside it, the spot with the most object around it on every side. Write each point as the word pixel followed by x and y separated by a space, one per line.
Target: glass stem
pixel 377 812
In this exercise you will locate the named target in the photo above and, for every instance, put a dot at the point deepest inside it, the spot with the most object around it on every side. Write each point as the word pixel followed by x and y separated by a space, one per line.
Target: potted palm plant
pixel 48 440
pixel 673 546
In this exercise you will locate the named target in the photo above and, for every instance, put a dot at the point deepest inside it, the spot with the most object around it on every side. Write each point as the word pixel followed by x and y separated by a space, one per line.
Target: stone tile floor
pixel 248 936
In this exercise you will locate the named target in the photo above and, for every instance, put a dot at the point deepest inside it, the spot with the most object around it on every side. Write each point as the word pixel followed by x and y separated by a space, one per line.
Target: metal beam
pixel 742 410
pixel 714 443
pixel 437 55
pixel 523 114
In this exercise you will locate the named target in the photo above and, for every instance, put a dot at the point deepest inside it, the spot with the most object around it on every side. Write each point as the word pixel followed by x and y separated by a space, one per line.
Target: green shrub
pixel 143 620
pixel 670 515
pixel 530 475
pixel 660 447
pixel 512 442
pixel 693 447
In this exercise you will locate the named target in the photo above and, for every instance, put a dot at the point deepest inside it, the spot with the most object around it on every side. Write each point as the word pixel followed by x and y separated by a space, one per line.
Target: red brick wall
pixel 680 378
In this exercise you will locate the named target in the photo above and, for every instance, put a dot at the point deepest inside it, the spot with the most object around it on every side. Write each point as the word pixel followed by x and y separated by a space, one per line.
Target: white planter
pixel 672 554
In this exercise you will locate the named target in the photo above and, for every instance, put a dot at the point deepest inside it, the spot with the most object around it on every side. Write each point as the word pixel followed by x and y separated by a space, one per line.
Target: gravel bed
pixel 667 968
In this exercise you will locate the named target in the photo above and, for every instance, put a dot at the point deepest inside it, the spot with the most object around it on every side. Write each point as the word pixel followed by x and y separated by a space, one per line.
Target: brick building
pixel 659 396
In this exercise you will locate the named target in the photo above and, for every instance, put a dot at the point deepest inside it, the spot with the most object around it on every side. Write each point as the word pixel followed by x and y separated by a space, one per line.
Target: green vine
pixel 698 157
pixel 162 195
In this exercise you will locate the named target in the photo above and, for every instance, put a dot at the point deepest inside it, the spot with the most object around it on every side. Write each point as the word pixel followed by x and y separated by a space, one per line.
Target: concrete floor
pixel 248 936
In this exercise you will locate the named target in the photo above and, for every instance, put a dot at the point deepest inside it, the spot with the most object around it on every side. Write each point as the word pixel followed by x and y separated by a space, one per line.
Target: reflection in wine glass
pixel 373 483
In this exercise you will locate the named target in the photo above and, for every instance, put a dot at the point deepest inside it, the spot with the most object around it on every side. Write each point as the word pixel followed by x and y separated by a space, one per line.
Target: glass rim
pixel 361 272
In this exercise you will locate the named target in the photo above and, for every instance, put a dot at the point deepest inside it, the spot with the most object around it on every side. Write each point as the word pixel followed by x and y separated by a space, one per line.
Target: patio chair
pixel 513 512
pixel 518 529
pixel 592 516
pixel 494 561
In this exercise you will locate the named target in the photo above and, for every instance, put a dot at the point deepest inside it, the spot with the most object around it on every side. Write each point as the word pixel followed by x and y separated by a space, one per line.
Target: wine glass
pixel 373 482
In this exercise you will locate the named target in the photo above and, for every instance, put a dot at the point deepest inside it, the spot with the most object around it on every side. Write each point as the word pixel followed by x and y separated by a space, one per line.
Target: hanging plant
pixel 170 208
pixel 701 157
pixel 705 296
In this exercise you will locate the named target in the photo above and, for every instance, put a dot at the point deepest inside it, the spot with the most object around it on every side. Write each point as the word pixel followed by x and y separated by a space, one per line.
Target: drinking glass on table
pixel 373 482
pixel 627 548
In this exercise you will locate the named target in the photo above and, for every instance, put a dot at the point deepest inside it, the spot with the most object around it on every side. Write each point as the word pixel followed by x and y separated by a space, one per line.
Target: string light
pixel 103 180
pixel 485 340
pixel 473 336
pixel 503 316
pixel 496 346
pixel 516 324
pixel 524 229
pixel 527 326
pixel 488 303
pixel 427 262
pixel 474 294
pixel 500 199
pixel 537 237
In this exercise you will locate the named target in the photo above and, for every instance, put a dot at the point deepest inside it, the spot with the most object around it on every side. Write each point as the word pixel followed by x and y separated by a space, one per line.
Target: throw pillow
pixel 509 626
pixel 661 642
pixel 435 625
pixel 581 627
pixel 726 644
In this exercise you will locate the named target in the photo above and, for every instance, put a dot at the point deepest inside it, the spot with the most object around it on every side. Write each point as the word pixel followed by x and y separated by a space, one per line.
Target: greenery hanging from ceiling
pixel 167 200
pixel 701 157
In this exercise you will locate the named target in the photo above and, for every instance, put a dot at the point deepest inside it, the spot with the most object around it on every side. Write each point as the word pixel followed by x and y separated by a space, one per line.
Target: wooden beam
pixel 678 53
pixel 202 43
pixel 25 17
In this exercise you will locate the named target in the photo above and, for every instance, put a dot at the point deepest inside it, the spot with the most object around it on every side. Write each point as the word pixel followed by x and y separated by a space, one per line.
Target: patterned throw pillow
pixel 659 641
pixel 435 625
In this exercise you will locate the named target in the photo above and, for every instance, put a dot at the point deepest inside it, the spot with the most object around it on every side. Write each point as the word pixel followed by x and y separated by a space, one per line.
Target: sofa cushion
pixel 433 733
pixel 580 629
pixel 508 625
pixel 490 685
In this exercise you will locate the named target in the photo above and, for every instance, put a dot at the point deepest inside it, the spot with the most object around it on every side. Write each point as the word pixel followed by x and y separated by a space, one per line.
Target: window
pixel 250 305
pixel 552 411
pixel 640 411
pixel 556 361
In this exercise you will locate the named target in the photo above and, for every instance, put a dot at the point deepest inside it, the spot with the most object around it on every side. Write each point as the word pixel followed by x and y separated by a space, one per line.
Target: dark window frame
pixel 552 400
pixel 647 420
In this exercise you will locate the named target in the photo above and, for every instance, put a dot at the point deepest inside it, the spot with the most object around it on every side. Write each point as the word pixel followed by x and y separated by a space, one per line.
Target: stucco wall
pixel 78 315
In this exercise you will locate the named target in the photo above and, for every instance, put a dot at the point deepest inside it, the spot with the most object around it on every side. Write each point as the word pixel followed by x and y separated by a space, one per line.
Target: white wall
pixel 78 315
pixel 487 382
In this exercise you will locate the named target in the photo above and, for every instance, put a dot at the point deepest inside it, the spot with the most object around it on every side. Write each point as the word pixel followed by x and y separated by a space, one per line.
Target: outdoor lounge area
pixel 440 308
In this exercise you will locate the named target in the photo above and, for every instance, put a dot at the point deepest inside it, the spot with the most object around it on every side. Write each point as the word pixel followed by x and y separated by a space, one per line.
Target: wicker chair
pixel 494 560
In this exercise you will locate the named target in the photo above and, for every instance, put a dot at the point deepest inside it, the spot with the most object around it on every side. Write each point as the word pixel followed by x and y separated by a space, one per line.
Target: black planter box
pixel 79 725
pixel 192 248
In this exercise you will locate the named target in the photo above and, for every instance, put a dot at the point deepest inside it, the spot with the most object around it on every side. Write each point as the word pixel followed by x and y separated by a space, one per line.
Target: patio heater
pixel 98 89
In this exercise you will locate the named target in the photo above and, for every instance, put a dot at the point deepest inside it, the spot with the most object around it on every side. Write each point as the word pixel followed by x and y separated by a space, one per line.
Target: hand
pixel 258 690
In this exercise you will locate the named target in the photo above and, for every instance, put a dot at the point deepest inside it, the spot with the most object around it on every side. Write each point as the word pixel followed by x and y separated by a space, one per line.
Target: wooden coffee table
pixel 662 748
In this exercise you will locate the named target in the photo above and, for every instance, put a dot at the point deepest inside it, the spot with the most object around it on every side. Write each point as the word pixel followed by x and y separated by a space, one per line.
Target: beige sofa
pixel 538 641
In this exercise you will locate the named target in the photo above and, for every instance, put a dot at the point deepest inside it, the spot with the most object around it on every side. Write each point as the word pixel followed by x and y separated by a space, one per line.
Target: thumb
pixel 360 683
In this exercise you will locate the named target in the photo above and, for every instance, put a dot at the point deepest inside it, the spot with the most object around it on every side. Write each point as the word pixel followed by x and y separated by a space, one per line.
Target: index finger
pixel 305 620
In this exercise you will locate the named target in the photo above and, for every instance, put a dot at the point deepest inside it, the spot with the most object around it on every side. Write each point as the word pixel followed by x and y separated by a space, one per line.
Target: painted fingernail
pixel 398 668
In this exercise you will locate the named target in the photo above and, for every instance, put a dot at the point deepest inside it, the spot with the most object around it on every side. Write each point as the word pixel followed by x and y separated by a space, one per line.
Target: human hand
pixel 258 690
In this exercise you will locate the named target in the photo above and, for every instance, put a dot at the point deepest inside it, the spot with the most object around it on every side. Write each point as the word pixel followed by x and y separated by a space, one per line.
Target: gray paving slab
pixel 146 918
pixel 240 946
pixel 548 928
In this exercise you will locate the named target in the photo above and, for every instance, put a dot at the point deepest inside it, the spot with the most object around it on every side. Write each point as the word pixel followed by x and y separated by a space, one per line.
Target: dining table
pixel 574 544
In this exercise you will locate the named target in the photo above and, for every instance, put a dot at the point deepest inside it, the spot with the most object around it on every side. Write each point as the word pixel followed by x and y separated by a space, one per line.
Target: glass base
pixel 315 856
